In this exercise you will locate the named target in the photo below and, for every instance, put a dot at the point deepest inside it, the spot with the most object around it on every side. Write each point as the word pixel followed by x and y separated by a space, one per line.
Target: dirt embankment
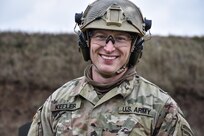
pixel 34 65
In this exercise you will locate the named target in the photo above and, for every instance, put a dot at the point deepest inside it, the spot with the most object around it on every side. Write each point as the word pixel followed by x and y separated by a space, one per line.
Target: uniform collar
pixel 103 88
pixel 124 89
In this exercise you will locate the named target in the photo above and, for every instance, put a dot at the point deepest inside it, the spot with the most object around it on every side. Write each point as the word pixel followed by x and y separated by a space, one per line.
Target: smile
pixel 108 57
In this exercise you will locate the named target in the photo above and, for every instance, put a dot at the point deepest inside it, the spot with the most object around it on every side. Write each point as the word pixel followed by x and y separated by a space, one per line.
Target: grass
pixel 48 60
pixel 32 66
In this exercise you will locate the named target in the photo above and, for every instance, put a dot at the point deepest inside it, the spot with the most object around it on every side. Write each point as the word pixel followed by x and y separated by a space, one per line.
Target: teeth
pixel 108 57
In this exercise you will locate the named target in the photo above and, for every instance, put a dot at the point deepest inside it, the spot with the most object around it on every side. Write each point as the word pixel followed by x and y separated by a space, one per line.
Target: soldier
pixel 110 99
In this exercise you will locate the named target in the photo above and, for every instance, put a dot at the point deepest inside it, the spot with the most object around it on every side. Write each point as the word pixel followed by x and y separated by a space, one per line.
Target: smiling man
pixel 111 98
pixel 110 51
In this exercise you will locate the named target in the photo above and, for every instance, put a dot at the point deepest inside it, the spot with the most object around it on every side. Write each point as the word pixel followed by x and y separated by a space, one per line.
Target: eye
pixel 121 38
pixel 100 37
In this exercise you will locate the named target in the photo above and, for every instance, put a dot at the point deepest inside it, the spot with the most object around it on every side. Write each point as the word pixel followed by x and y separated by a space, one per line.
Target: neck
pixel 104 79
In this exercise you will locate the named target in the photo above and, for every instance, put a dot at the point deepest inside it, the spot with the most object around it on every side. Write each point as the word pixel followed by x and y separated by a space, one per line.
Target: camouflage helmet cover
pixel 120 15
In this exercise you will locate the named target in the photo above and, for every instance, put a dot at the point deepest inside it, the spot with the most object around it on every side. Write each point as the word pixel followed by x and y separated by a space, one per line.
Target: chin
pixel 108 68
pixel 107 71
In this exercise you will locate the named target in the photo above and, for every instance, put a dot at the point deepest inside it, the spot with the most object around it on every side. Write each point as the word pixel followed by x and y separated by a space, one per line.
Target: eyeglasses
pixel 119 40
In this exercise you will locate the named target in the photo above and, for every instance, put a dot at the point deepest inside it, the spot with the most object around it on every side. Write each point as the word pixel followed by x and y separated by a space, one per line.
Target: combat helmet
pixel 119 15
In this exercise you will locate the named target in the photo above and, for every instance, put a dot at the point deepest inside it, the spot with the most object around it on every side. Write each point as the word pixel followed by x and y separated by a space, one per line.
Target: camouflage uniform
pixel 135 108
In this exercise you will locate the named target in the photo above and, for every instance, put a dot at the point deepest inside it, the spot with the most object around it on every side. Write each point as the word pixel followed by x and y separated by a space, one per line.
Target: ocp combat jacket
pixel 135 108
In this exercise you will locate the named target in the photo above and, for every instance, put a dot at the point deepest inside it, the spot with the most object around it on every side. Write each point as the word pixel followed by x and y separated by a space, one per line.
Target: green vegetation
pixel 39 60
pixel 48 60
pixel 175 63
pixel 32 66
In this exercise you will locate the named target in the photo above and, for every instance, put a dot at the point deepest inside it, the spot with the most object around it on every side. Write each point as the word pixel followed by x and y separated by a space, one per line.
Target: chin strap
pixel 120 70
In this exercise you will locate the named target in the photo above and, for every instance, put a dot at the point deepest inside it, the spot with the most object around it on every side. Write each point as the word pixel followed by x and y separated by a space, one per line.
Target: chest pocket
pixel 122 124
pixel 63 114
pixel 140 120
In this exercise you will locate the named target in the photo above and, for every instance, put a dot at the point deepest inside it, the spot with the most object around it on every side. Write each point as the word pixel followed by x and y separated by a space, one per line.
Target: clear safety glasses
pixel 118 40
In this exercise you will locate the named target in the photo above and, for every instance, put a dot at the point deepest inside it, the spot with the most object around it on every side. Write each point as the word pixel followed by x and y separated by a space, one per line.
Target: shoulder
pixel 64 96
pixel 149 88
pixel 69 89
pixel 149 94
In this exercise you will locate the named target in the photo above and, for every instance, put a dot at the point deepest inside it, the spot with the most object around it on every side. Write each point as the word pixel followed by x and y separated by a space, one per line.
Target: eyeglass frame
pixel 118 40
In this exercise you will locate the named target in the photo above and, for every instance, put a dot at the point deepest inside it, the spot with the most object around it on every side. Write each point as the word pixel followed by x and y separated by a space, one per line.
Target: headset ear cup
pixel 136 53
pixel 134 58
pixel 84 47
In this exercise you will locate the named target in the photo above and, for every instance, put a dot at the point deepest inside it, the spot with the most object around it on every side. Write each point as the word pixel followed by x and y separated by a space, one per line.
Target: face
pixel 109 50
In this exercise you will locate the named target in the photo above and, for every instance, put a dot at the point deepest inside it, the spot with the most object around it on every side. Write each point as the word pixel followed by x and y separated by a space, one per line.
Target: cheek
pixel 126 52
pixel 92 54
pixel 93 51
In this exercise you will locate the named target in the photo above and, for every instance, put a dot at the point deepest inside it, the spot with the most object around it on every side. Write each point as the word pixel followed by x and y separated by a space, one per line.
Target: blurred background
pixel 39 53
pixel 174 17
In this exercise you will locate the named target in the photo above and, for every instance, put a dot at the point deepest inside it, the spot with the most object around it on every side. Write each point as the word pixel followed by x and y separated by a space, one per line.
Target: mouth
pixel 108 57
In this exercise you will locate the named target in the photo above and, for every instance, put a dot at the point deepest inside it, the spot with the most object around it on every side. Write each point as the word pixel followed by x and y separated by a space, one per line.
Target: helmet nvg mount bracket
pixel 118 15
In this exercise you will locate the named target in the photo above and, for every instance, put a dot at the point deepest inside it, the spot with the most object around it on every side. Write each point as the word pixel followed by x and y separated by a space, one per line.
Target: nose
pixel 109 47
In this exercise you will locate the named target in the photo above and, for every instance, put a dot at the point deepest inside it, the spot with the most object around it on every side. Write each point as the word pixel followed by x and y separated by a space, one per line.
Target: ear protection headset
pixel 136 54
